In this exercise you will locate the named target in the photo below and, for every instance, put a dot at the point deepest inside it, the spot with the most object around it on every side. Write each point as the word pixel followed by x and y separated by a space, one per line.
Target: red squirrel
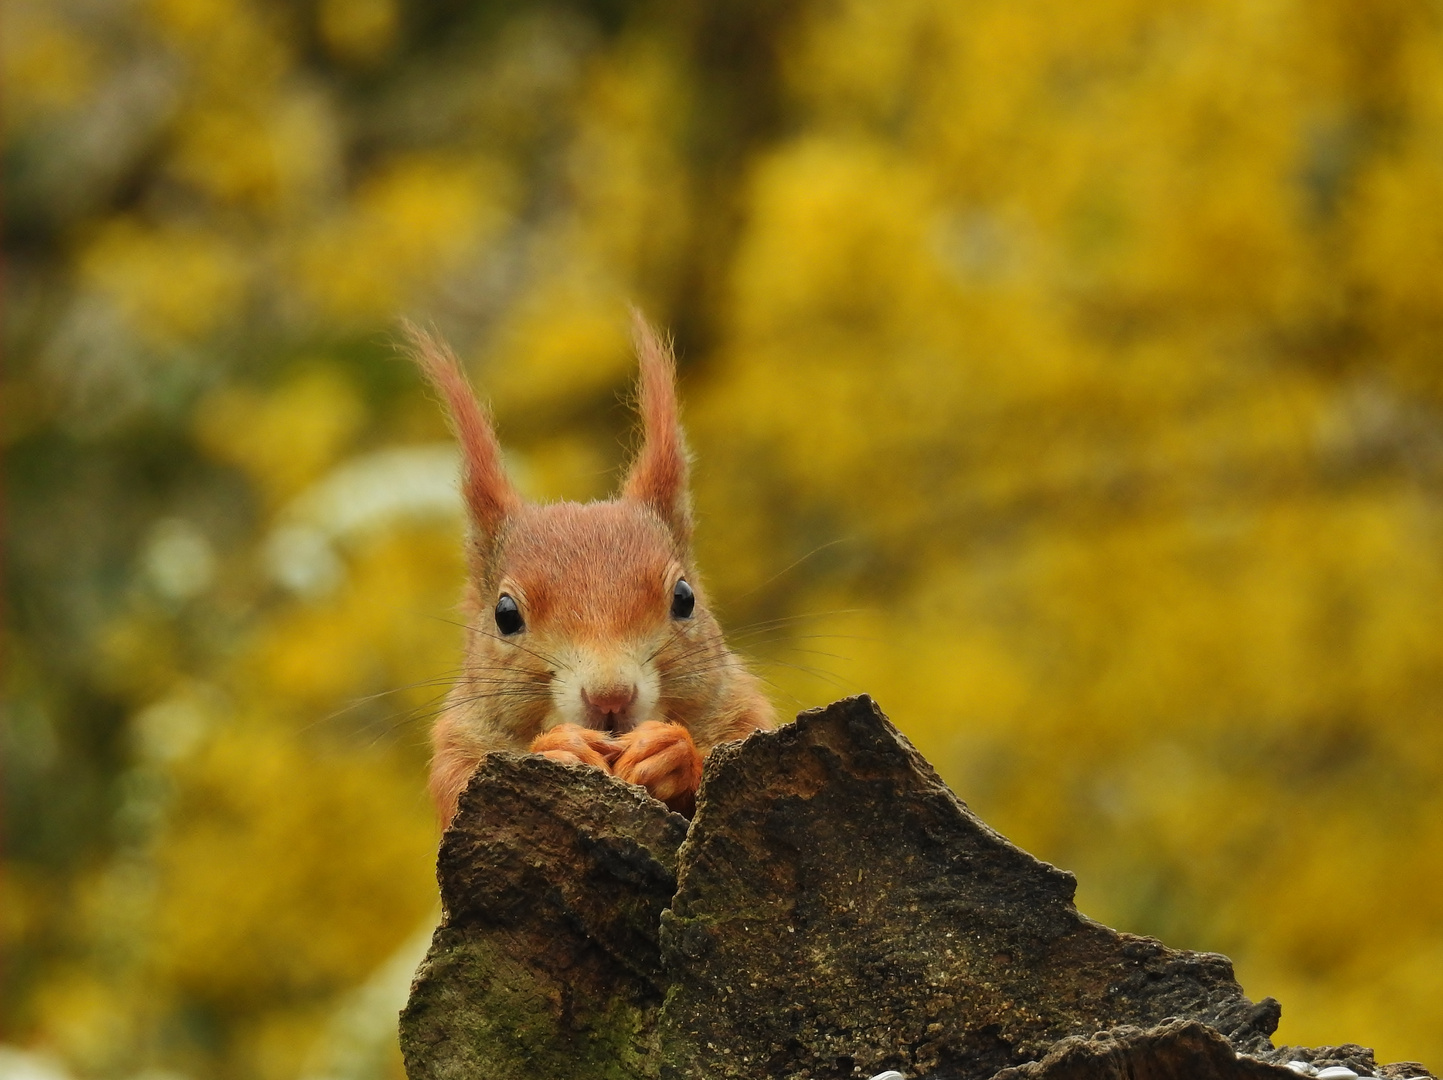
pixel 588 635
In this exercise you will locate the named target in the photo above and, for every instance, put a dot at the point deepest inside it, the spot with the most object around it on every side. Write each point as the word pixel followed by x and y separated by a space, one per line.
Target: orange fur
pixel 662 758
pixel 490 499
pixel 573 743
pixel 603 672
pixel 658 477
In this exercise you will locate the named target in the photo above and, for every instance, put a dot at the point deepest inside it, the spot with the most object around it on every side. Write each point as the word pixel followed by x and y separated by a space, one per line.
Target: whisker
pixel 816 652
pixel 359 702
pixel 549 661
pixel 698 649
pixel 788 569
pixel 838 637
pixel 672 636
pixel 791 697
pixel 846 686
pixel 768 624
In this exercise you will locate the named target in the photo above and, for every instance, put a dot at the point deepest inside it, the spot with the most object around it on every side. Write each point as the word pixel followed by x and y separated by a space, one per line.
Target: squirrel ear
pixel 490 498
pixel 658 476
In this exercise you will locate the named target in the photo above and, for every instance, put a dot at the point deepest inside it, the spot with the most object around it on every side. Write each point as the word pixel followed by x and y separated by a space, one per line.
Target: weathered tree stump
pixel 833 910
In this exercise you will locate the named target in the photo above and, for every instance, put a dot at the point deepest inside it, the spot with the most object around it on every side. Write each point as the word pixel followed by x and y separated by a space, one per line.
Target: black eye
pixel 508 616
pixel 683 600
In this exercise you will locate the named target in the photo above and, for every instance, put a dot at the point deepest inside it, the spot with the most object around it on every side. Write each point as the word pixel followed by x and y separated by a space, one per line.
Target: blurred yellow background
pixel 1066 376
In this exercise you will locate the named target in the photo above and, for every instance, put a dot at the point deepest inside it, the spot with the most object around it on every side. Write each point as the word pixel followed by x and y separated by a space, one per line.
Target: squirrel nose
pixel 607 706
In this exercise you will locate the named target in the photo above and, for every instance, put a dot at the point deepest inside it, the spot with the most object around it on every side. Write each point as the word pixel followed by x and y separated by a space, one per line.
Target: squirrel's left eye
pixel 683 600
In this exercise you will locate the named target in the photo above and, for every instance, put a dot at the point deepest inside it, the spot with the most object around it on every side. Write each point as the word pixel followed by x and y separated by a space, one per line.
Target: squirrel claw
pixel 573 744
pixel 662 758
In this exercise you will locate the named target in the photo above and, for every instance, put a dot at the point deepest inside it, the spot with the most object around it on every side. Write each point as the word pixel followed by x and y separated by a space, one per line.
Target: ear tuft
pixel 490 498
pixel 658 476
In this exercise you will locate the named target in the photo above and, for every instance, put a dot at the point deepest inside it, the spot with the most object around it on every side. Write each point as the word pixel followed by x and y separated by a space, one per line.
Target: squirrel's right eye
pixel 508 616
pixel 683 600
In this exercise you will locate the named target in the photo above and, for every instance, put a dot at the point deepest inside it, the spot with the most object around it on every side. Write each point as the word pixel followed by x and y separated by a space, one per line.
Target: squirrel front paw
pixel 573 744
pixel 662 758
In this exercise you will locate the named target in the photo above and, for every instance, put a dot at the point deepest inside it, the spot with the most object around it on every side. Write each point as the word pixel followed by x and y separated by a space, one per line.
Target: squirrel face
pixel 595 603
pixel 588 633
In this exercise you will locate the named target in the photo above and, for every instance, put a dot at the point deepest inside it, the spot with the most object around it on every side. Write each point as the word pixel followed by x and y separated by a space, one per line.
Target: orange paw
pixel 661 758
pixel 572 743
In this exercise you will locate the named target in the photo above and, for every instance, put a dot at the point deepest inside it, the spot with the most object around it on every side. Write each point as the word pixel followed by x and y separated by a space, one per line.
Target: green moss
pixel 473 1008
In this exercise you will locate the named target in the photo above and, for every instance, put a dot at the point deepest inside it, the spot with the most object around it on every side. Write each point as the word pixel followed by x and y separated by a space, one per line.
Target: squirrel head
pixel 582 613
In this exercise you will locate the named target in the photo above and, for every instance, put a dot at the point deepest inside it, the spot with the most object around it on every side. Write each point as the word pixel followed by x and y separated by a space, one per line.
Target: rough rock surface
pixel 832 911
pixel 553 881
pixel 1181 1048
pixel 839 907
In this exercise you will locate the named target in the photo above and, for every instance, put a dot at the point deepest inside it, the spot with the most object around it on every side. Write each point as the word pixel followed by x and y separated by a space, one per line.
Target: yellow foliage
pixel 626 177
pixel 360 31
pixel 139 655
pixel 568 342
pixel 285 439
pixel 170 283
pixel 82 1022
pixel 273 154
pixel 1063 375
pixel 328 853
pixel 408 226
pixel 370 637
pixel 232 49
pixel 46 65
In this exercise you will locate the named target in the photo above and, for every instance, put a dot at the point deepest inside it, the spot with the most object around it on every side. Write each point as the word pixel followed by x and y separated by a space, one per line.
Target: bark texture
pixel 833 910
